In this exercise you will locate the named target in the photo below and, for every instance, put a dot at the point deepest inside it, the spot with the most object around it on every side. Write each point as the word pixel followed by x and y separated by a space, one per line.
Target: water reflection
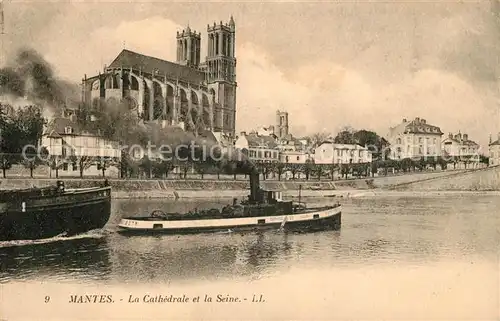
pixel 86 258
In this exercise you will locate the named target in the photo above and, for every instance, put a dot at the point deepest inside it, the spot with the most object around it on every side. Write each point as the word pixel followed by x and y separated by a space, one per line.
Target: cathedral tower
pixel 221 77
pixel 188 47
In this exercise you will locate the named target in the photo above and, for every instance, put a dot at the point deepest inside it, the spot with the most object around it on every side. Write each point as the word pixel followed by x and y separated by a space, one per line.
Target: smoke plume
pixel 30 77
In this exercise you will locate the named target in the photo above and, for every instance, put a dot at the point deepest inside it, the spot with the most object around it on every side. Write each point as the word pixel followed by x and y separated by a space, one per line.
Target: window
pixel 287 159
pixel 68 130
pixel 434 141
pixel 420 139
pixel 65 166
pixel 298 158
pixel 75 167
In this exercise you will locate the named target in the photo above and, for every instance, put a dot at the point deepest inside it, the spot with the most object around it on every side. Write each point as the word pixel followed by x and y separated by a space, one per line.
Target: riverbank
pixel 180 189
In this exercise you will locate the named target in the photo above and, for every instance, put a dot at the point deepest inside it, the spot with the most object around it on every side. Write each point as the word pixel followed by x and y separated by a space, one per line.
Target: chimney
pixel 450 135
pixel 254 186
pixel 466 137
pixel 417 119
pixel 423 121
pixel 243 134
pixel 404 120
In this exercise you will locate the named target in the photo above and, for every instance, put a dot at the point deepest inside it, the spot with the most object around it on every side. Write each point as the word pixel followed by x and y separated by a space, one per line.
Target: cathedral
pixel 188 93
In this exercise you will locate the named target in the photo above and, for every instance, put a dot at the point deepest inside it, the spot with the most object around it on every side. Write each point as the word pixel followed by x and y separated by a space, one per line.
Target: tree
pixel 85 162
pixel 279 170
pixel 375 143
pixel 55 163
pixel 146 166
pixel 345 136
pixel 31 163
pixel 318 169
pixel 308 168
pixel 332 168
pixel 162 167
pixel 317 138
pixel 5 163
pixel 104 163
pixel 21 128
pixel 200 168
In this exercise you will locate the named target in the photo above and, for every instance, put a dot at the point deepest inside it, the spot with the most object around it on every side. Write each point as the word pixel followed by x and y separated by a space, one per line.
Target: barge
pixel 41 213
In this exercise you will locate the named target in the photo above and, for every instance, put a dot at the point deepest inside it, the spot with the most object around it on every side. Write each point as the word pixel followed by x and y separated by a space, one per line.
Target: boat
pixel 41 213
pixel 264 209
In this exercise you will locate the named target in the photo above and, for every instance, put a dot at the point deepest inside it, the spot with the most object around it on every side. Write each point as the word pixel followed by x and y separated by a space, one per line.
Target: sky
pixel 366 64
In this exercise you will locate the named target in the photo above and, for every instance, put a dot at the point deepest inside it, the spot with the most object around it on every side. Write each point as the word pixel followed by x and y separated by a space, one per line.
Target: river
pixel 433 257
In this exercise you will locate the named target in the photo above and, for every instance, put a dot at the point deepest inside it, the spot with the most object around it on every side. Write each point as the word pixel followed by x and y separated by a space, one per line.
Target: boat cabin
pixel 271 196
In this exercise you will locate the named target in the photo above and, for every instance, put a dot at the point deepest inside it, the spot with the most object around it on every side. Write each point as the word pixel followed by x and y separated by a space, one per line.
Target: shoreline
pixel 414 184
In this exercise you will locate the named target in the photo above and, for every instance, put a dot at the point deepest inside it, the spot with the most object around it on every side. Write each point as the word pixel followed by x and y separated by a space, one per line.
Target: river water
pixel 433 257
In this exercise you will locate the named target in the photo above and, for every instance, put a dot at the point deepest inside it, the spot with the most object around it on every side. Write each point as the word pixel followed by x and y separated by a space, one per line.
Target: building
pixel 281 129
pixel 328 152
pixel 77 148
pixel 460 145
pixel 192 94
pixel 266 131
pixel 258 148
pixel 415 138
pixel 295 157
pixel 494 151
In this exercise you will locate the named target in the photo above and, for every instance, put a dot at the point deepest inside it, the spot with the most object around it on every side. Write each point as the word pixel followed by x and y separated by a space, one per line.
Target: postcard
pixel 221 160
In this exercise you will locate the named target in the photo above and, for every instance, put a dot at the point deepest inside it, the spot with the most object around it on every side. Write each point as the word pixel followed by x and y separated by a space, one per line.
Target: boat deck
pixel 216 214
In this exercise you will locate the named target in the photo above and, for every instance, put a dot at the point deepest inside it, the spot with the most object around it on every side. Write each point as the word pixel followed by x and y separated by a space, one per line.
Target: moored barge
pixel 41 213
pixel 264 209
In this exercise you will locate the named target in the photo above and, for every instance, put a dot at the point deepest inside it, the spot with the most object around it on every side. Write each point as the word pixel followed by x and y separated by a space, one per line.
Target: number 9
pixel 47 299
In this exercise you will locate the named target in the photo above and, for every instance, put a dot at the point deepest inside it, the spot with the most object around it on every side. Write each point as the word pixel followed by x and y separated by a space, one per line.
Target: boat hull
pixel 66 214
pixel 315 221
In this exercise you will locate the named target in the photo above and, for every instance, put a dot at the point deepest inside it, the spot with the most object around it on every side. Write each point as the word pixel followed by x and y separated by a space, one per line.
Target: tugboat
pixel 41 213
pixel 264 209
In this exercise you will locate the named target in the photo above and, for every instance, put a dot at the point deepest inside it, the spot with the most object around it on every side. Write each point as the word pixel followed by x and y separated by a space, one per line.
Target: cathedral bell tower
pixel 221 77
pixel 188 47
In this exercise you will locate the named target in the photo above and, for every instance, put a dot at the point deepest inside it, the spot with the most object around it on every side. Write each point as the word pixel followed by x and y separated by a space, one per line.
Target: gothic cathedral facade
pixel 189 93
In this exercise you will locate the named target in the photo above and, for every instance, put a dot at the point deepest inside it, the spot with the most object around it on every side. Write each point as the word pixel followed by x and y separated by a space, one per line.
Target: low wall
pixel 487 179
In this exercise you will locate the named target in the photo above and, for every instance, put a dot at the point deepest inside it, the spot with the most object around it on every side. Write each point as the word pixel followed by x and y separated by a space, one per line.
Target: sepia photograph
pixel 225 160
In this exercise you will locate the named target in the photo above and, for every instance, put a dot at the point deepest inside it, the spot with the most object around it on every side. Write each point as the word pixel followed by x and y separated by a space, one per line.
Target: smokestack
pixel 465 136
pixel 254 186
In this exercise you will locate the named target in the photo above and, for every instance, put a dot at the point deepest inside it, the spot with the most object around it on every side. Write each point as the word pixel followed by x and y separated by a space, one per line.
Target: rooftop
pixel 150 65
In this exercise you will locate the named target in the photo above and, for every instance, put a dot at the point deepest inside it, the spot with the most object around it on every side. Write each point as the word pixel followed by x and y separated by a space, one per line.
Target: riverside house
pixel 258 148
pixel 415 138
pixel 330 153
pixel 461 147
pixel 77 148
pixel 494 151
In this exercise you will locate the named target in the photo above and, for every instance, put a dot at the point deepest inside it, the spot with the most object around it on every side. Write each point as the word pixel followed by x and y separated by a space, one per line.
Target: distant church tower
pixel 221 77
pixel 188 47
pixel 281 129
